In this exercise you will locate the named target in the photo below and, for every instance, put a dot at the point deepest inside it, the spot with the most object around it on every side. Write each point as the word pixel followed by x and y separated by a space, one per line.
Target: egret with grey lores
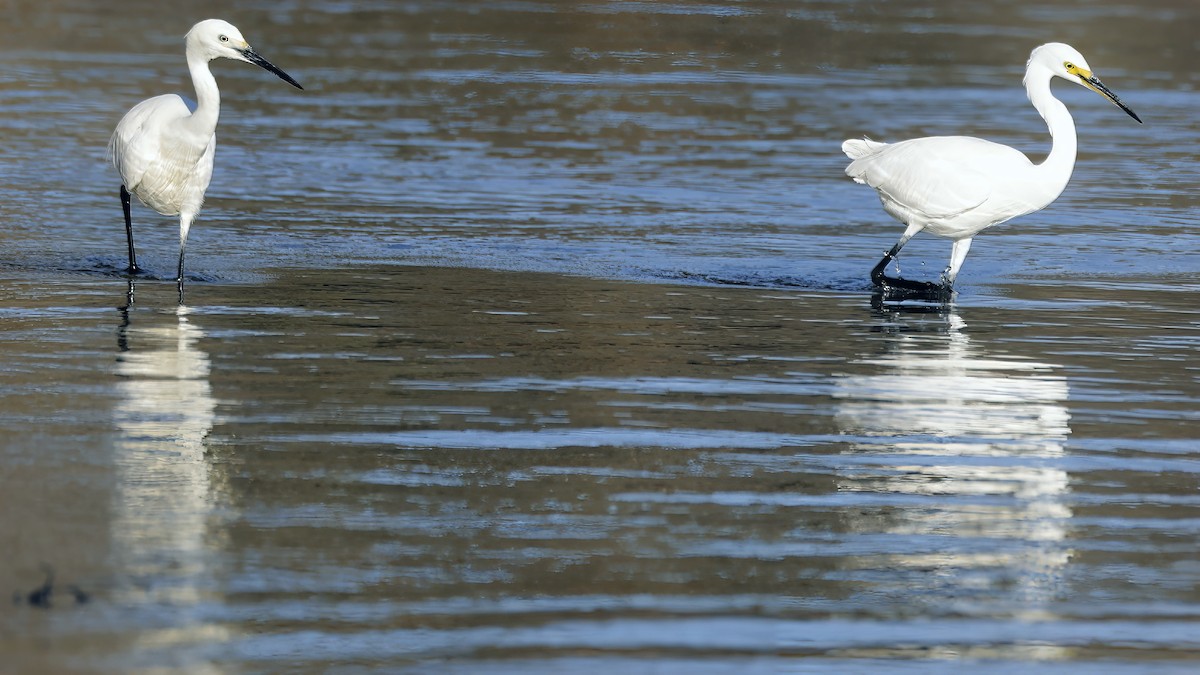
pixel 163 147
pixel 957 186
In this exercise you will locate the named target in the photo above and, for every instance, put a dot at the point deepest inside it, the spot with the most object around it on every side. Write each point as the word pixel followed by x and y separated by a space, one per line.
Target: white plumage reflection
pixel 956 186
pixel 975 441
pixel 163 147
pixel 166 500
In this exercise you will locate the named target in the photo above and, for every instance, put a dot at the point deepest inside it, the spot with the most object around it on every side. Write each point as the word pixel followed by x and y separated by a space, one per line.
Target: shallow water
pixel 537 337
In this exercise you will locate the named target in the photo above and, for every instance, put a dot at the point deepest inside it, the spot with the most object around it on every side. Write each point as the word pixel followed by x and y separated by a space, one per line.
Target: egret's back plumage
pixel 954 186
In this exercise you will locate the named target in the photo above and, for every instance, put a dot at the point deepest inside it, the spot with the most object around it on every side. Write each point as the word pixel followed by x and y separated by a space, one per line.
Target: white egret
pixel 956 186
pixel 163 147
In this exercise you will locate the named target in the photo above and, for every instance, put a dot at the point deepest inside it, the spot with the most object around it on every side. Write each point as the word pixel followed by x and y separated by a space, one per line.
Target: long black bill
pixel 1095 83
pixel 253 57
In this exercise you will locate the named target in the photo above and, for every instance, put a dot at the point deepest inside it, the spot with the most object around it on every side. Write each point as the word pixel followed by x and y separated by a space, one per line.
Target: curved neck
pixel 208 97
pixel 1061 160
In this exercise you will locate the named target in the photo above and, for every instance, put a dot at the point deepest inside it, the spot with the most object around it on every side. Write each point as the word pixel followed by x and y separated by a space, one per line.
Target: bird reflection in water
pixel 165 501
pixel 972 444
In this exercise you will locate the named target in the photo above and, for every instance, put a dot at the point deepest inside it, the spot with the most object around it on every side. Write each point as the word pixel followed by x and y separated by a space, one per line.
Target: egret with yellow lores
pixel 164 146
pixel 957 186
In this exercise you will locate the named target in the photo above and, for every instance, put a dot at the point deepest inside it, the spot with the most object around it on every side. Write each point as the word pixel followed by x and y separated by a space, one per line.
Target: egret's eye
pixel 1070 66
pixel 224 38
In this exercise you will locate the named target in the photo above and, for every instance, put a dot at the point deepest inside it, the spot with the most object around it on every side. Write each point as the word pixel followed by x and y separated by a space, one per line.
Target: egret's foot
pixel 906 287
pixel 897 283
pixel 895 288
pixel 134 270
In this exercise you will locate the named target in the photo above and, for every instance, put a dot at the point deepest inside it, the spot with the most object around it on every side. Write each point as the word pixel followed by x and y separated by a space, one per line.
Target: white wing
pixel 137 141
pixel 936 178
pixel 166 165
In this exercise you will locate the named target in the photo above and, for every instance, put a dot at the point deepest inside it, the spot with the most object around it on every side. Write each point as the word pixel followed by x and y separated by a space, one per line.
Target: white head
pixel 213 39
pixel 1062 60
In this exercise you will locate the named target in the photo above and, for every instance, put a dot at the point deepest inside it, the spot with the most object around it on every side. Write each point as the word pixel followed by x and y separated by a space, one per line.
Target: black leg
pixel 879 276
pixel 179 276
pixel 133 266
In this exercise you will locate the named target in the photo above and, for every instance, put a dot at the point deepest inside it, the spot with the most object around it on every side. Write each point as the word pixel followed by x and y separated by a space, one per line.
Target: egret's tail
pixel 857 148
